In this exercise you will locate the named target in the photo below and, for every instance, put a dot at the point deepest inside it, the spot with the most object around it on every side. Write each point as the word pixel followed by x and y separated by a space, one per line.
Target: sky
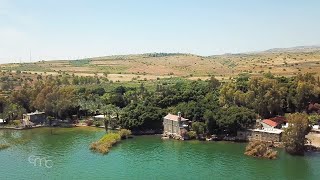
pixel 72 29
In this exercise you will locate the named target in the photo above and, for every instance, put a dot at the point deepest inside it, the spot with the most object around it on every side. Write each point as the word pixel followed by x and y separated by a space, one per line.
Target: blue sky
pixel 70 29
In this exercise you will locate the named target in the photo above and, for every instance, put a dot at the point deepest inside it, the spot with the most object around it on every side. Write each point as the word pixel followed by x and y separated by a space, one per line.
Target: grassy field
pixel 158 66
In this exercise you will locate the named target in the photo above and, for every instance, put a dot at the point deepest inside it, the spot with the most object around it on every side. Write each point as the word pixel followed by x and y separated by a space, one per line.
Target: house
pixel 174 125
pixel 99 117
pixel 276 122
pixel 267 130
pixel 2 121
pixel 35 118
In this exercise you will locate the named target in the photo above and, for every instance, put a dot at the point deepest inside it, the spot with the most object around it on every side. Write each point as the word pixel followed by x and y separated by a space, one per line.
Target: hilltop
pixel 295 49
pixel 151 66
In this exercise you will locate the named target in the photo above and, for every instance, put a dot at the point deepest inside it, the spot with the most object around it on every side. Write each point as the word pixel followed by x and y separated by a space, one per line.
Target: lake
pixel 65 154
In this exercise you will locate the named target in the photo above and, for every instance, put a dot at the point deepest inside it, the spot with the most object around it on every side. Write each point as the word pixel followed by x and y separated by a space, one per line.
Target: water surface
pixel 143 157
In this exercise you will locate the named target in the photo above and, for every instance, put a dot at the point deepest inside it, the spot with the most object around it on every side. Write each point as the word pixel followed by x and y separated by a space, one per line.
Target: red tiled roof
pixel 174 117
pixel 270 122
pixel 279 119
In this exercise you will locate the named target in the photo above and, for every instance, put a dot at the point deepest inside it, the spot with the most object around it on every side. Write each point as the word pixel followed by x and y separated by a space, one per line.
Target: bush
pixel 16 122
pixel 260 149
pixel 192 134
pixel 97 124
pixel 89 122
pixel 124 133
pixel 199 127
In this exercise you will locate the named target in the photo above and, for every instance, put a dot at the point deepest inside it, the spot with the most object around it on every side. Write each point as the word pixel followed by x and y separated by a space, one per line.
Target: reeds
pixel 105 143
pixel 4 146
pixel 261 150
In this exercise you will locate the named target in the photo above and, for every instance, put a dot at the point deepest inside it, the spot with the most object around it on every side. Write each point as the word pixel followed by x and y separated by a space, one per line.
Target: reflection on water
pixel 143 157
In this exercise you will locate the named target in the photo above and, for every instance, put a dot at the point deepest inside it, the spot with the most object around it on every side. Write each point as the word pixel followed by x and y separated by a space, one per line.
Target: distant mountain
pixel 294 49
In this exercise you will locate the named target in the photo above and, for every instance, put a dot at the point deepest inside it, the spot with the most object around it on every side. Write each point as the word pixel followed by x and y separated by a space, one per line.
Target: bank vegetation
pixel 260 150
pixel 104 145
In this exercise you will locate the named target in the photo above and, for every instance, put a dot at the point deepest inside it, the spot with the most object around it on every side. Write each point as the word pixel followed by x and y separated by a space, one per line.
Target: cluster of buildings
pixel 269 130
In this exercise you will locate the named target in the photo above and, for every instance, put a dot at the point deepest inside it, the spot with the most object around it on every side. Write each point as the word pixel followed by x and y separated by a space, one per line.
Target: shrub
pixel 199 127
pixel 89 122
pixel 16 122
pixel 192 134
pixel 261 150
pixel 97 124
pixel 124 133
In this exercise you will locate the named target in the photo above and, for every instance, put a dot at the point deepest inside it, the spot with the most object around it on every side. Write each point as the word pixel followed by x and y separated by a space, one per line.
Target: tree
pixel 230 120
pixel 111 113
pixel 141 117
pixel 13 111
pixel 199 127
pixel 294 136
pixel 213 83
pixel 314 118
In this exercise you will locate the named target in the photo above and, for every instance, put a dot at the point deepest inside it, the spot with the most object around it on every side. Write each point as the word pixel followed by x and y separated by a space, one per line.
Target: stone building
pixel 174 125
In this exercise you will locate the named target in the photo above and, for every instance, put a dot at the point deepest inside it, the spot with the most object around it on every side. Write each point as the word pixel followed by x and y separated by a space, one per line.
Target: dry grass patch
pixel 260 150
pixel 4 146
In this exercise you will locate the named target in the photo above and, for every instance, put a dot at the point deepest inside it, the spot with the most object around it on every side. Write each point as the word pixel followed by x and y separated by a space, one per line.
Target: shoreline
pixel 314 145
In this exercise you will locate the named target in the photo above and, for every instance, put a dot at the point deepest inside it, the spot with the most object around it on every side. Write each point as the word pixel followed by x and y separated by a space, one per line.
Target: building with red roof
pixel 275 122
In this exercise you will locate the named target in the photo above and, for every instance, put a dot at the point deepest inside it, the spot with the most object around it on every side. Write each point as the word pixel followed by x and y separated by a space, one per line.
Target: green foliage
pixel 105 143
pixel 314 118
pixel 79 63
pixel 222 107
pixel 140 117
pixel 269 95
pixel 16 122
pixel 199 127
pixel 294 136
pixel 13 111
pixel 97 124
pixel 192 134
pixel 229 120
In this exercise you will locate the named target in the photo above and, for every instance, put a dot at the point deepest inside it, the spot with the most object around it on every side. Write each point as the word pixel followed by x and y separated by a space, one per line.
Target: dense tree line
pixel 222 108
pixel 270 96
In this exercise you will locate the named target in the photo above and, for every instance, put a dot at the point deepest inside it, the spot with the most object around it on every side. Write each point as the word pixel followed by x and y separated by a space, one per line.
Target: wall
pixel 258 136
pixel 171 126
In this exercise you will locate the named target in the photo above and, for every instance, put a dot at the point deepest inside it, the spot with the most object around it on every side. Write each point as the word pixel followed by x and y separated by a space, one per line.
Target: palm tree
pixel 110 111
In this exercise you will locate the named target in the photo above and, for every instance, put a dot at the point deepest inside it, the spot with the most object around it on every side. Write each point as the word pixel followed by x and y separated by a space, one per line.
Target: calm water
pixel 144 157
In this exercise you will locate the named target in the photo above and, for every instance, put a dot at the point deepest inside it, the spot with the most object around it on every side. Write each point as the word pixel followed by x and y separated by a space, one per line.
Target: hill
pixel 151 66
pixel 295 49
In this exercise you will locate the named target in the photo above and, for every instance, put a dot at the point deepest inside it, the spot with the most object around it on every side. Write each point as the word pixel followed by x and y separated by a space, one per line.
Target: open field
pixel 193 67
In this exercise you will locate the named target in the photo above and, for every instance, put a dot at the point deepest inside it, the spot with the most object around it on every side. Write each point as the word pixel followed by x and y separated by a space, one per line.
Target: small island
pixel 108 140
